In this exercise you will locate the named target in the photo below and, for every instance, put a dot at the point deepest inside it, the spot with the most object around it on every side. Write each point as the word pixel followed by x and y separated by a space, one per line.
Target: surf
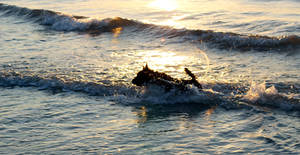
pixel 58 21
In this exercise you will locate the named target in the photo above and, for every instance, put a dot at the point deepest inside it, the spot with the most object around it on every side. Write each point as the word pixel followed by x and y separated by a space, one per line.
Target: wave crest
pixel 63 22
pixel 11 79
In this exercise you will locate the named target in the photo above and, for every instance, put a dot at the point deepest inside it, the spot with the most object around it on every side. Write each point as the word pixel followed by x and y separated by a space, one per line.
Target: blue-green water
pixel 66 70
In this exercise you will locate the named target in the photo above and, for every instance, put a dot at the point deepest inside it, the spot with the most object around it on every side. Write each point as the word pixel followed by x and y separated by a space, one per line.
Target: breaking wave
pixel 261 95
pixel 63 22
pixel 225 95
pixel 11 79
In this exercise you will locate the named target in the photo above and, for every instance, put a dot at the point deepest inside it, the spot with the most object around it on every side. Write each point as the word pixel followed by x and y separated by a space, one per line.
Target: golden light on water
pixel 117 31
pixel 167 5
pixel 210 111
pixel 174 62
pixel 142 115
pixel 171 22
pixel 160 60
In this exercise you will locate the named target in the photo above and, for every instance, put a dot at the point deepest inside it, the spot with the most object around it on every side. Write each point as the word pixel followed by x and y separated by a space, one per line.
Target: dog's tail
pixel 194 78
pixel 188 72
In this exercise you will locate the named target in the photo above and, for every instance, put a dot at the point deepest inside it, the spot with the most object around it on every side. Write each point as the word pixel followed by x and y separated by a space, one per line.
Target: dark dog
pixel 148 76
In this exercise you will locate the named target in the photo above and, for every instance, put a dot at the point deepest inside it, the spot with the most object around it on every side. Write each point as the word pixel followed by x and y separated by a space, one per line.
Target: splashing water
pixel 260 92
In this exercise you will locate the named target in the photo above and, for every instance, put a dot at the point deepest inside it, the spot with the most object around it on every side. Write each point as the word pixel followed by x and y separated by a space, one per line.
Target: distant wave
pixel 59 21
pixel 63 22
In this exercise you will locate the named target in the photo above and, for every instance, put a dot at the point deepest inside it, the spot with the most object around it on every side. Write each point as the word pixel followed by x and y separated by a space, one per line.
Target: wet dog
pixel 149 77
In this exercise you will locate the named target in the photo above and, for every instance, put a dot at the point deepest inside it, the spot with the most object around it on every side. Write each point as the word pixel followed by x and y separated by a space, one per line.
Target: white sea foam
pixel 157 95
pixel 263 96
pixel 260 92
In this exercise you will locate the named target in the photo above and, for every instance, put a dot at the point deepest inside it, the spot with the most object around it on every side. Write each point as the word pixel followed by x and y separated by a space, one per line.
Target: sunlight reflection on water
pixel 168 5
pixel 160 60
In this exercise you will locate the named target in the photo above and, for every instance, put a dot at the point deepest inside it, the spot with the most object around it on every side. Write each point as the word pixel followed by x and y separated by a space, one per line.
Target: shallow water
pixel 41 122
pixel 66 71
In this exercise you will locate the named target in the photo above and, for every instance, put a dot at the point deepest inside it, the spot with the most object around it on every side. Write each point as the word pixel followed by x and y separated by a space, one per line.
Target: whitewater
pixel 66 69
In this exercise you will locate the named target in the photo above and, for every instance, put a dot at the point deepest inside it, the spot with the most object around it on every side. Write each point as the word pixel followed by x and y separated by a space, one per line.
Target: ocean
pixel 66 69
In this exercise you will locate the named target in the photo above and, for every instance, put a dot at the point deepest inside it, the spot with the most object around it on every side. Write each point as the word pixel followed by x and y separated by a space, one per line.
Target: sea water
pixel 66 69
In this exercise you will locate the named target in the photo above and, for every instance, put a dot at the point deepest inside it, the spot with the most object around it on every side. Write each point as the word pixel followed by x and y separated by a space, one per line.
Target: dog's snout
pixel 133 81
pixel 137 82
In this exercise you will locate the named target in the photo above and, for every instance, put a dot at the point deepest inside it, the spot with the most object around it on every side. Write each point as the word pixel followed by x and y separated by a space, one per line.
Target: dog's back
pixel 148 76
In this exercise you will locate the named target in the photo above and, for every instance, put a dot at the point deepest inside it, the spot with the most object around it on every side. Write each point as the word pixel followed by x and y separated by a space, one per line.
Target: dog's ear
pixel 146 67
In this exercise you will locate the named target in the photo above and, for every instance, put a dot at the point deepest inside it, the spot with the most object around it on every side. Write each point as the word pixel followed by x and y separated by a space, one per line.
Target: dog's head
pixel 143 77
